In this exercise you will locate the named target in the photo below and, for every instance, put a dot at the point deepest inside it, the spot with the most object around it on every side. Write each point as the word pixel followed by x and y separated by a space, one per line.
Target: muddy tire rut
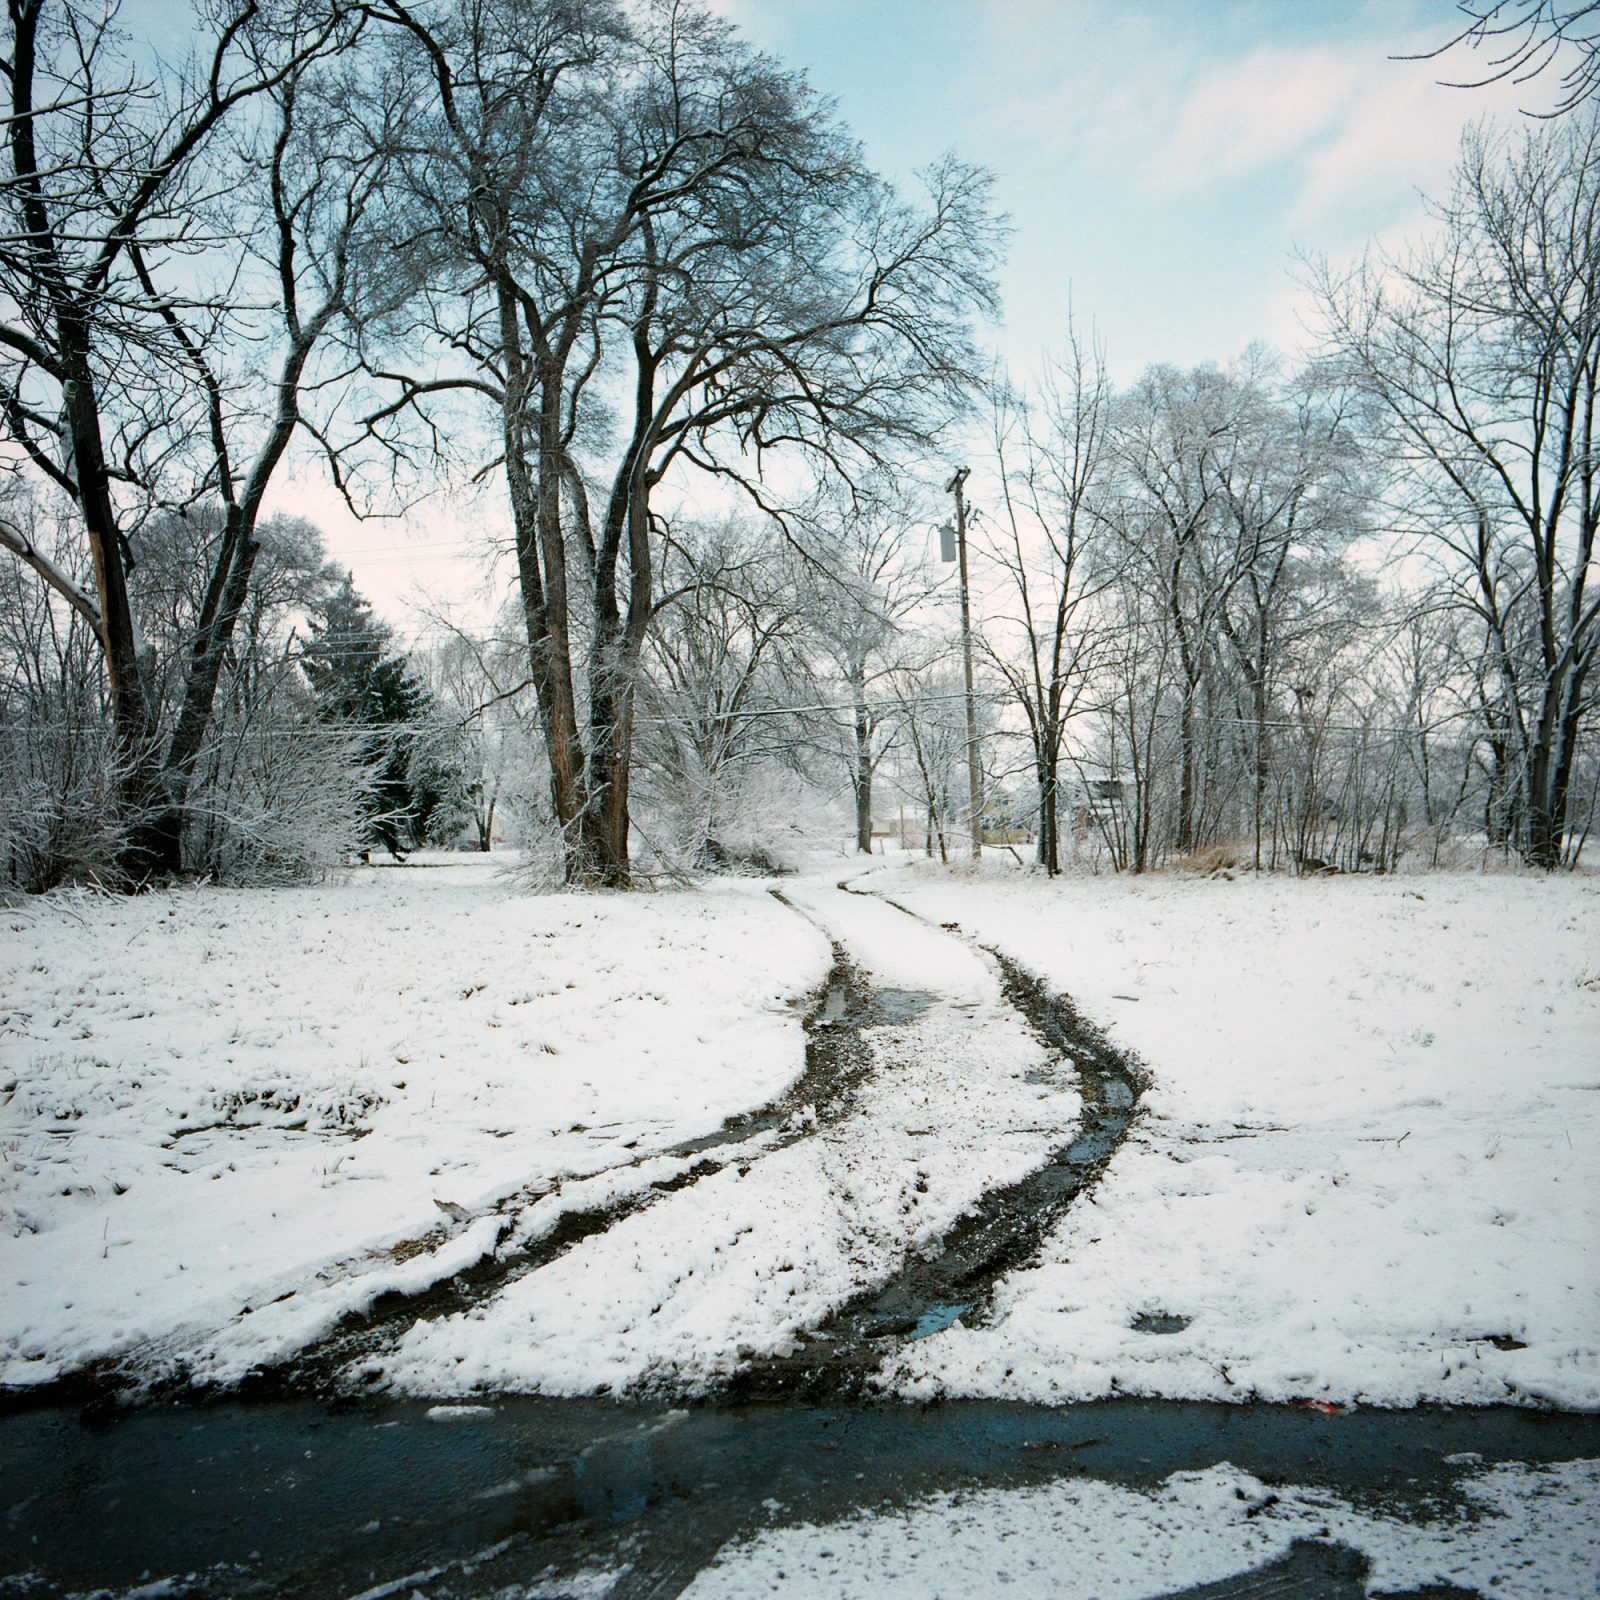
pixel 339 1365
pixel 955 1280
pixel 350 1358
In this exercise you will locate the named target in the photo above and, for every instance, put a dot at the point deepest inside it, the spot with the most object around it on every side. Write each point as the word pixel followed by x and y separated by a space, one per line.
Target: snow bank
pixel 1532 1533
pixel 229 1117
pixel 1368 1168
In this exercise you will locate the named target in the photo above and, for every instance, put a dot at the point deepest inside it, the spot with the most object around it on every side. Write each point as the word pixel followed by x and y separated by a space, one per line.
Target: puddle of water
pixel 835 1003
pixel 899 1005
pixel 936 1319
pixel 1091 1147
pixel 296 1500
pixel 1159 1322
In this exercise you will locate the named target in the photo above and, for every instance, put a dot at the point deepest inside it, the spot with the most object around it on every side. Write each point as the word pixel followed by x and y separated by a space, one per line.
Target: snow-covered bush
pixel 280 803
pixel 57 820
pixel 57 780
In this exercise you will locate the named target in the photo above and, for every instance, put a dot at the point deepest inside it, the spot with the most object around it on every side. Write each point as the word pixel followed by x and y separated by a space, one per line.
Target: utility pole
pixel 974 766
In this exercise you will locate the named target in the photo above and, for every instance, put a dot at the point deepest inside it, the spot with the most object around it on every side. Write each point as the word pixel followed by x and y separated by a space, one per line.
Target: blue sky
pixel 1162 161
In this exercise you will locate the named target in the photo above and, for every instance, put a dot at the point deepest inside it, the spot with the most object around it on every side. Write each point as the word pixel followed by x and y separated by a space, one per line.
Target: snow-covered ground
pixel 1368 1167
pixel 1366 1170
pixel 738 1263
pixel 1531 1534
pixel 228 1117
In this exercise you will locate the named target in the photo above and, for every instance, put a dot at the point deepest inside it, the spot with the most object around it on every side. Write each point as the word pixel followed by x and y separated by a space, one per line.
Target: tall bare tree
pixel 104 192
pixel 1480 356
pixel 658 253
pixel 305 178
pixel 1177 434
pixel 1054 470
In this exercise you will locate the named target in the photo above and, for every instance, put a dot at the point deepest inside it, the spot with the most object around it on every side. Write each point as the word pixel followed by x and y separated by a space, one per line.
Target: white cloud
pixel 1241 116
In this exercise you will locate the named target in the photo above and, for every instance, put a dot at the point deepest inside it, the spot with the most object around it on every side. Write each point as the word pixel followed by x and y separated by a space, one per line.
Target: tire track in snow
pixel 917 1292
pixel 1006 1229
pixel 957 1098
pixel 531 1229
pixel 836 1060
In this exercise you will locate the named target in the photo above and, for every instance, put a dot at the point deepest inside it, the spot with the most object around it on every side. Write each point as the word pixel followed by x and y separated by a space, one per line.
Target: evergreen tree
pixel 358 679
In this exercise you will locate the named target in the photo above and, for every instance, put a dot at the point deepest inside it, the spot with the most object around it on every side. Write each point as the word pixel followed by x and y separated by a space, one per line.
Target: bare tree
pixel 658 253
pixel 1053 469
pixel 929 703
pixel 481 727
pixel 57 778
pixel 1519 40
pixel 865 578
pixel 260 721
pixel 1124 772
pixel 1292 503
pixel 1480 356
pixel 1176 437
pixel 1224 507
pixel 728 685
pixel 306 178
pixel 104 176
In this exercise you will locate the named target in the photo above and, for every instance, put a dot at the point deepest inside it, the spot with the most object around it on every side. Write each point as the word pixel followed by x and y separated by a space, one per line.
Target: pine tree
pixel 358 679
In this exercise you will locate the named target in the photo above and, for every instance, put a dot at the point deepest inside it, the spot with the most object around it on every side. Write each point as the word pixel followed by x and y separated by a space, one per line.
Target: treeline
pixel 1332 617
pixel 325 738
pixel 585 255
pixel 570 245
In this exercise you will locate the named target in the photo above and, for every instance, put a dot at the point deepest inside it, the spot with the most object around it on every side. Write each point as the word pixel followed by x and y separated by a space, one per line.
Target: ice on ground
pixel 229 1117
pixel 740 1262
pixel 1368 1167
pixel 1531 1533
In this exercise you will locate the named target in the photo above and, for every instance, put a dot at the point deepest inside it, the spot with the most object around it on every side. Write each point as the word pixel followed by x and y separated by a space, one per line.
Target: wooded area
pixel 611 260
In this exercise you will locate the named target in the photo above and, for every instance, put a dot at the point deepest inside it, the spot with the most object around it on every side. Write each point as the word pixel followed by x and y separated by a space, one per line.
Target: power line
pixel 791 711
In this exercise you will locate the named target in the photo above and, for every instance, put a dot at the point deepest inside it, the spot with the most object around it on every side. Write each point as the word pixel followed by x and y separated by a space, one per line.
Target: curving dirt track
pixel 1020 1103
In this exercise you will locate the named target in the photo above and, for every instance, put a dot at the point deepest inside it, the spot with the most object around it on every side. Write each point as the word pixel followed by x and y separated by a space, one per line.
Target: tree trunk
pixel 618 643
pixel 225 598
pixel 1550 771
pixel 1258 690
pixel 600 860
pixel 542 574
pixel 861 774
pixel 1049 812
pixel 226 593
pixel 1186 762
pixel 1186 740
pixel 132 716
pixel 1499 808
